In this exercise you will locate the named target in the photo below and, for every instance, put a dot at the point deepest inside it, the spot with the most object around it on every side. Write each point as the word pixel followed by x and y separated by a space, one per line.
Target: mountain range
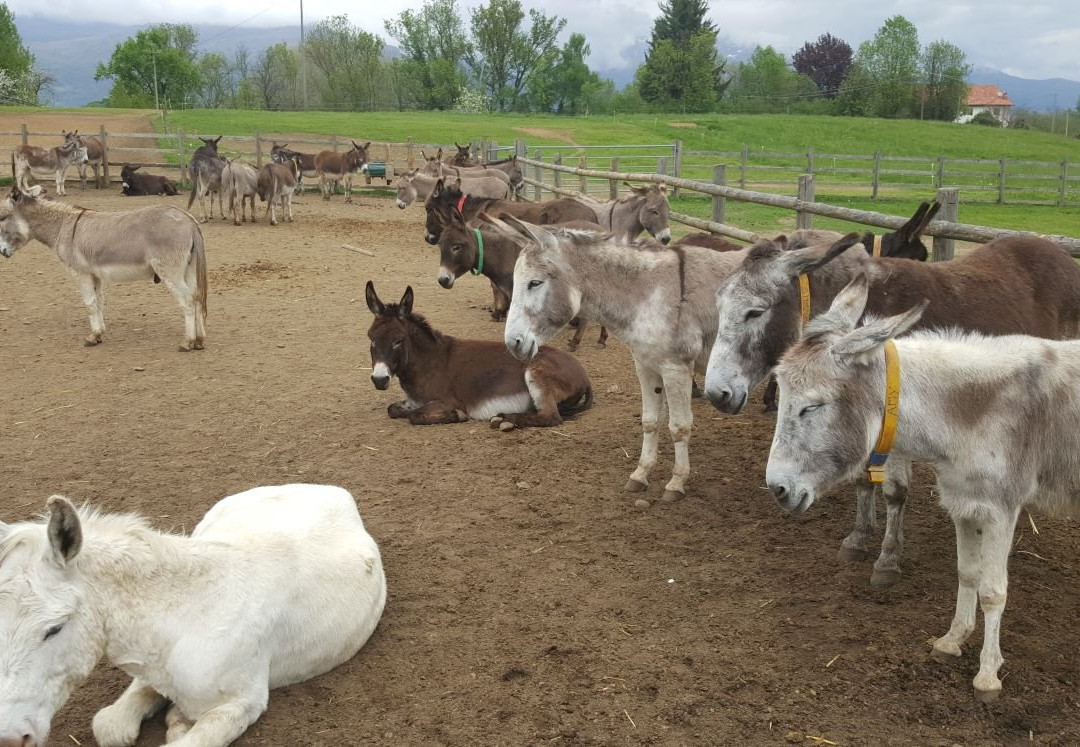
pixel 70 51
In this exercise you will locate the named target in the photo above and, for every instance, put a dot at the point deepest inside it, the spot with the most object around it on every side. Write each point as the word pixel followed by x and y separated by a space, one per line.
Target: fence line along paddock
pixel 942 230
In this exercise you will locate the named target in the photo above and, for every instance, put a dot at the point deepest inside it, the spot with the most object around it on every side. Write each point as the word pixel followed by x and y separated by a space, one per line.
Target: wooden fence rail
pixel 943 230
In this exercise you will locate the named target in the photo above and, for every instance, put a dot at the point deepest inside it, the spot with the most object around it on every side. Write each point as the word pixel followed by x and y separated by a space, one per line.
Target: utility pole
pixel 303 59
pixel 156 105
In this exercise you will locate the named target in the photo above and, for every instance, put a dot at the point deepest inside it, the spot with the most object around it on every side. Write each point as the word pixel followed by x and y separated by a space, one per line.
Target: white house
pixel 986 97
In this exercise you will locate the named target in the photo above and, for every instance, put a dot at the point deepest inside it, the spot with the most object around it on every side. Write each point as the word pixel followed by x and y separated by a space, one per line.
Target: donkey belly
pixel 122 273
pixel 486 409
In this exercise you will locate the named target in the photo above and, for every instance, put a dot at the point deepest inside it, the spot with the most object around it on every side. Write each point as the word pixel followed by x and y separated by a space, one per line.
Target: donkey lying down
pixel 995 416
pixel 447 380
pixel 276 585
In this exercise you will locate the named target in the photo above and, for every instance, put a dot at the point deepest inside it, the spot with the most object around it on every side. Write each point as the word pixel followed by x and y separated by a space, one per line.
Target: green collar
pixel 479 253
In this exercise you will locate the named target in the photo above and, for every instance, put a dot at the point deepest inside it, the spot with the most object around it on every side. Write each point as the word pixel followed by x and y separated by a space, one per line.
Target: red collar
pixel 461 204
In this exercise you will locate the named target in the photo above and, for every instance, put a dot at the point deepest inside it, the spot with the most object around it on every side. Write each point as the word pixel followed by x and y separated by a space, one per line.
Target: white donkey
pixel 276 585
pixel 657 300
pixel 995 416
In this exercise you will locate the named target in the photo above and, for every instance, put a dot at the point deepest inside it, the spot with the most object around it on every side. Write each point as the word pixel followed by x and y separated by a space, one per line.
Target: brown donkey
pixel 447 380
pixel 332 167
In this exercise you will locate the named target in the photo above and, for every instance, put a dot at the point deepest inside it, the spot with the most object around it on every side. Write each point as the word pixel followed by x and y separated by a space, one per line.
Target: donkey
pixel 904 243
pixel 28 160
pixel 205 170
pixel 440 169
pixel 414 185
pixel 239 182
pixel 995 416
pixel 305 162
pixel 95 156
pixel 645 209
pixel 511 168
pixel 277 182
pixel 463 157
pixel 133 184
pixel 275 585
pixel 447 380
pixel 659 301
pixel 444 199
pixel 1012 285
pixel 159 243
pixel 332 167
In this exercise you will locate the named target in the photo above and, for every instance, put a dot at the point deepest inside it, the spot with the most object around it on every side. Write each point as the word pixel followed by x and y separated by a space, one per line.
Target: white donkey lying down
pixel 276 585
pixel 995 416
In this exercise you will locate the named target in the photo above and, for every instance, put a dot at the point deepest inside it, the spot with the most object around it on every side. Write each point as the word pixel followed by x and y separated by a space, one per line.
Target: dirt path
pixel 529 603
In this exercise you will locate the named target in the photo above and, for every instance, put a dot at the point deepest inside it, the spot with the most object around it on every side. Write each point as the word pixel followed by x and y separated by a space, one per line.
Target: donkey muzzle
pixel 430 238
pixel 381 382
pixel 446 279
pixel 791 498
pixel 725 400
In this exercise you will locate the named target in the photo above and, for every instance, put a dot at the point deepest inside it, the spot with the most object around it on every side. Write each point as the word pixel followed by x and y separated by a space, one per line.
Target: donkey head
pixel 357 157
pixel 832 392
pixel 758 308
pixel 74 143
pixel 14 228
pixel 389 335
pixel 440 205
pixel 457 250
pixel 47 631
pixel 654 210
pixel 906 243
pixel 406 190
pixel 546 295
pixel 280 153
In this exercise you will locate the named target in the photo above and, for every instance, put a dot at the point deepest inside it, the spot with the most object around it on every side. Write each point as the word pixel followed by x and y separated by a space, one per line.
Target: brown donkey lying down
pixel 447 380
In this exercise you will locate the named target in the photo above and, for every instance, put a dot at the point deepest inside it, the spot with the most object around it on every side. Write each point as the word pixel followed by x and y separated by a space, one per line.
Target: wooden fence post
pixel 493 150
pixel 583 163
pixel 1001 181
pixel 613 184
pixel 944 249
pixel 258 149
pixel 25 136
pixel 806 194
pixel 483 150
pixel 719 176
pixel 940 171
pixel 409 153
pixel 677 155
pixel 557 175
pixel 519 147
pixel 661 166
pixel 333 142
pixel 104 157
pixel 877 174
pixel 744 158
pixel 538 174
pixel 181 148
pixel 810 160
pixel 1063 191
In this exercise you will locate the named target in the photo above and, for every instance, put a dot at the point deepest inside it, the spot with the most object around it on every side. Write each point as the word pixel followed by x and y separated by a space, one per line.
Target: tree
pixel 274 77
pixel 766 84
pixel 563 86
pixel 23 81
pixel 825 61
pixel 504 55
pixel 434 43
pixel 891 60
pixel 349 60
pixel 165 53
pixel 944 78
pixel 853 99
pixel 216 84
pixel 682 67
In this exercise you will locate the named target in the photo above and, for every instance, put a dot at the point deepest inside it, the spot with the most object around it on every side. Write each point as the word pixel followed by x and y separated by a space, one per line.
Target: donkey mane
pixel 95 523
pixel 393 311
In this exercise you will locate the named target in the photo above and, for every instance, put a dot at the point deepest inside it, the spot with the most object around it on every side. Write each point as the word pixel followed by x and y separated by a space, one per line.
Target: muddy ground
pixel 529 602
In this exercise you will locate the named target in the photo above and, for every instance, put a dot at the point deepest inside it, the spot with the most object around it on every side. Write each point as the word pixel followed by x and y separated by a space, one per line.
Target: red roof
pixel 987 94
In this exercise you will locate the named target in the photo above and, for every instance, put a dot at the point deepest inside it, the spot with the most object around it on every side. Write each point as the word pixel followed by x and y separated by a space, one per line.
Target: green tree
pixel 274 75
pixel 891 60
pixel 435 47
pixel 682 68
pixel 765 83
pixel 563 86
pixel 944 79
pixel 23 81
pixel 349 63
pixel 505 54
pixel 854 98
pixel 216 88
pixel 165 53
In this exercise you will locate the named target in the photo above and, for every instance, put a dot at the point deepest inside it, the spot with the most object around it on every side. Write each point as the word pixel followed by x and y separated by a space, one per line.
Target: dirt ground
pixel 529 602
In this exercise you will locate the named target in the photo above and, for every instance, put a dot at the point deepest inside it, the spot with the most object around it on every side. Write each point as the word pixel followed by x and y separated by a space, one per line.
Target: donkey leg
pixel 572 346
pixel 993 590
pixel 887 566
pixel 969 542
pixel 118 725
pixel 652 388
pixel 176 724
pixel 546 391
pixel 90 289
pixel 855 546
pixel 678 381
pixel 436 413
pixel 273 213
pixel 602 341
pixel 226 722
pixel 185 296
pixel 286 204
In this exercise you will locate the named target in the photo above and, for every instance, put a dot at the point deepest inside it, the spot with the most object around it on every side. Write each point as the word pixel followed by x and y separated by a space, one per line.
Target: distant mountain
pixel 1039 95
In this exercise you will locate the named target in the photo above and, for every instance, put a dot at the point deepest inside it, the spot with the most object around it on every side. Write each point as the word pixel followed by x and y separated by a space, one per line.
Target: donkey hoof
pixel 945 655
pixel 601 345
pixel 187 347
pixel 496 421
pixel 987 696
pixel 571 347
pixel 851 554
pixel 670 496
pixel 884 578
pixel 633 486
pixel 199 344
pixel 91 341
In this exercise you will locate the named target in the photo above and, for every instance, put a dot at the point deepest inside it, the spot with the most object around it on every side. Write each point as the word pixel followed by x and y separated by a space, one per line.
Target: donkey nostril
pixel 779 491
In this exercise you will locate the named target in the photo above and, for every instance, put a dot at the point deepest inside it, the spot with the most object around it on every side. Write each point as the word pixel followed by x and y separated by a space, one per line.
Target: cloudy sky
pixel 1034 39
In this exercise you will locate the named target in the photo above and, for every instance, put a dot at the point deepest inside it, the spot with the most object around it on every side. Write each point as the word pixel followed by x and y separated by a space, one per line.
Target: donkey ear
pixel 405 305
pixel 529 231
pixel 848 306
pixel 373 303
pixel 438 155
pixel 799 261
pixel 438 189
pixel 64 530
pixel 661 188
pixel 635 189
pixel 929 216
pixel 859 345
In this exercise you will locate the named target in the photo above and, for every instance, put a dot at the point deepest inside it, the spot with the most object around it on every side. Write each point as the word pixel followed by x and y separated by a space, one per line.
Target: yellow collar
pixel 875 466
pixel 877 245
pixel 804 297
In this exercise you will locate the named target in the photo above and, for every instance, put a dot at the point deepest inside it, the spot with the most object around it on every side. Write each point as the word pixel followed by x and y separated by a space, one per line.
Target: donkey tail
pixel 583 403
pixel 194 189
pixel 198 252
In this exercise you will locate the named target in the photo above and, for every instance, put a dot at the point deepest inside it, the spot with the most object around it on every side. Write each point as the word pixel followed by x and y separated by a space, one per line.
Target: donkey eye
pixel 53 631
pixel 754 313
pixel 457 248
pixel 535 284
pixel 810 408
pixel 398 344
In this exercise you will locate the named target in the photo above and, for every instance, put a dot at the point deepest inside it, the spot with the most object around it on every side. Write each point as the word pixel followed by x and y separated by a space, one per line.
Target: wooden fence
pixel 945 231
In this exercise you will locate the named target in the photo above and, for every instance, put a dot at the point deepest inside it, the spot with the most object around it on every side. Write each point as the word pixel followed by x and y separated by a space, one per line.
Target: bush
pixel 987 119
